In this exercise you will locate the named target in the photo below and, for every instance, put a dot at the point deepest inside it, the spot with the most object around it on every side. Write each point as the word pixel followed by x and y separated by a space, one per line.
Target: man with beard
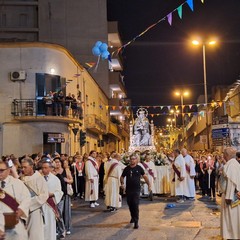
pixel 133 173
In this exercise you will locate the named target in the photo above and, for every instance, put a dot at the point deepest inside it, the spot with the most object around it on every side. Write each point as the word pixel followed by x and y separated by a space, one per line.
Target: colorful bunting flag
pixel 179 10
pixel 190 4
pixel 90 64
pixel 169 17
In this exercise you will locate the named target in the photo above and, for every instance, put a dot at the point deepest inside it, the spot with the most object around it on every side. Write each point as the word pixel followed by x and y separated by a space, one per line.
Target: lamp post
pixel 212 42
pixel 182 94
pixel 171 121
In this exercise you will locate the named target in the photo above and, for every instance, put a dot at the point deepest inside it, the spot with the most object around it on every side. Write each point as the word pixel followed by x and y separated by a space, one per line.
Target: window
pixel 44 84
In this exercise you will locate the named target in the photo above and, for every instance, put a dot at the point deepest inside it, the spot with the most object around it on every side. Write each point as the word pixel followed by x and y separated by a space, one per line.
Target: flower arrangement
pixel 159 158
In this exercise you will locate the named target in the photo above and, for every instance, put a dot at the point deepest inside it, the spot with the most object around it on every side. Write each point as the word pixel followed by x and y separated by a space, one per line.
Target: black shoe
pixel 113 209
pixel 131 221
pixel 136 226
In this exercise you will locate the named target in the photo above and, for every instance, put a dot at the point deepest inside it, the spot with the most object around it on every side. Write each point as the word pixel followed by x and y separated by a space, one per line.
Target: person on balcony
pixel 74 106
pixel 68 104
pixel 48 101
pixel 59 102
pixel 79 108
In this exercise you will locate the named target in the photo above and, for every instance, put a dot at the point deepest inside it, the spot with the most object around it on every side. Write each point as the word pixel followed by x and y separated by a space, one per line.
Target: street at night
pixel 120 120
pixel 193 220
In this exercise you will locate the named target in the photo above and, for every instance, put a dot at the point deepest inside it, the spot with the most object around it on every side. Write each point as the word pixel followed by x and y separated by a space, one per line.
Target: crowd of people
pixel 56 103
pixel 36 190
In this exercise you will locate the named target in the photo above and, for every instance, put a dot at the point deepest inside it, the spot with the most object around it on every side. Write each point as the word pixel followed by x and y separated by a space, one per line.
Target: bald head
pixel 184 152
pixel 229 153
pixel 118 156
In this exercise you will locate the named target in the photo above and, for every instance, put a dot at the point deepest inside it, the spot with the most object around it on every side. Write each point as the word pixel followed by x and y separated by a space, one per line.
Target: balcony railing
pixel 36 110
pixel 94 123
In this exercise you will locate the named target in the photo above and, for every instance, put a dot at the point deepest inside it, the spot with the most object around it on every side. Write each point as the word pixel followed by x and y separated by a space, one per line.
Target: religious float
pixel 142 143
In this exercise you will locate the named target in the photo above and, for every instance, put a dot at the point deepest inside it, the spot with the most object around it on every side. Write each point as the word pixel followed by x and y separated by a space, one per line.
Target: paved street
pixel 199 219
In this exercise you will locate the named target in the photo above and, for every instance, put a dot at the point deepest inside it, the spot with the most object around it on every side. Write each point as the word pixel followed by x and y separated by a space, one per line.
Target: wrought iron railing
pixel 24 107
pixel 35 107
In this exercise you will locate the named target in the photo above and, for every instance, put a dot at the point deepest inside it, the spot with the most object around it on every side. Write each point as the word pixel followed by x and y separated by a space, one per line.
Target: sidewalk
pixel 191 220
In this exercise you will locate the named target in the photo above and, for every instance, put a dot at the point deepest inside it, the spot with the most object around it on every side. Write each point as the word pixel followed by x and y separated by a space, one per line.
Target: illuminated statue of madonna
pixel 141 129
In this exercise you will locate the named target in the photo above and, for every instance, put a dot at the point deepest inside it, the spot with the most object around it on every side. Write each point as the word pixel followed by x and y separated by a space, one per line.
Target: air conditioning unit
pixel 18 76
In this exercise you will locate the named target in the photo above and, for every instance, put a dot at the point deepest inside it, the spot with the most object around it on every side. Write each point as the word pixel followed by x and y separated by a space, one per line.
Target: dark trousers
pixel 81 185
pixel 133 204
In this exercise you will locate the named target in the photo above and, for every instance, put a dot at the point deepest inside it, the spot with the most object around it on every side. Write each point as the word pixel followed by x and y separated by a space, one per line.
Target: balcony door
pixel 44 84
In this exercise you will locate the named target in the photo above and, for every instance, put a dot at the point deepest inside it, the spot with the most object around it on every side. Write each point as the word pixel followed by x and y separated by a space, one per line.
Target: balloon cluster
pixel 100 49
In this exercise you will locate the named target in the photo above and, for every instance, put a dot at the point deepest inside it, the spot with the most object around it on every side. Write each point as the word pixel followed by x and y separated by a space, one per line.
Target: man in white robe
pixel 112 184
pixel 54 193
pixel 2 223
pixel 180 175
pixel 92 179
pixel 171 159
pixel 38 189
pixel 190 191
pixel 230 215
pixel 151 173
pixel 18 191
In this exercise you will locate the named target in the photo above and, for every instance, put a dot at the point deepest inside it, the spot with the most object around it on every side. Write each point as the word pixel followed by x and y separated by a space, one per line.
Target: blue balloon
pixel 98 43
pixel 103 47
pixel 105 54
pixel 96 51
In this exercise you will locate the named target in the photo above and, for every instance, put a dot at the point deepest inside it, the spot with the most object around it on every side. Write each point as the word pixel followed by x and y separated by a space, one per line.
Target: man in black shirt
pixel 133 173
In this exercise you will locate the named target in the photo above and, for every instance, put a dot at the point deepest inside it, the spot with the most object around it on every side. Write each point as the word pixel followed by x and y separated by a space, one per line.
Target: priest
pixel 230 205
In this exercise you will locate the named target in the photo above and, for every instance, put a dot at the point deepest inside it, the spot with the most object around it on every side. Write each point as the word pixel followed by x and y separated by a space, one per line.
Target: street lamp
pixel 171 121
pixel 204 44
pixel 182 94
pixel 175 113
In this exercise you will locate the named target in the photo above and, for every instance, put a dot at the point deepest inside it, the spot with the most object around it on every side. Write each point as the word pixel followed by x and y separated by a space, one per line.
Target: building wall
pixel 21 138
pixel 74 24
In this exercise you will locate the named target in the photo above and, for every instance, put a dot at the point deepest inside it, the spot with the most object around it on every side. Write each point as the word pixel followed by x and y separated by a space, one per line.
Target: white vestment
pixel 112 179
pixel 2 222
pixel 190 184
pixel 171 177
pixel 19 191
pixel 180 185
pixel 54 186
pixel 150 167
pixel 39 194
pixel 230 217
pixel 91 189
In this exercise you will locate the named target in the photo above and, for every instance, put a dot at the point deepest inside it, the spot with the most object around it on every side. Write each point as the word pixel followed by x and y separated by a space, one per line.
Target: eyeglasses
pixel 2 170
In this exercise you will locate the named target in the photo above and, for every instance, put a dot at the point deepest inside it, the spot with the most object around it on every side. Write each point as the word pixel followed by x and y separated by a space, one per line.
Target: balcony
pixel 31 110
pixel 113 35
pixel 113 130
pixel 116 82
pixel 95 124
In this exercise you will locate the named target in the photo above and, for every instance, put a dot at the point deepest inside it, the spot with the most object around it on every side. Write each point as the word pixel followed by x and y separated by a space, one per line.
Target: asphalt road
pixel 191 220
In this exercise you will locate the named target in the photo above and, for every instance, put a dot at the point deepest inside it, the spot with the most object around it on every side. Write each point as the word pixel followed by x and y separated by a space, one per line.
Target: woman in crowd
pixel 63 173
pixel 78 173
pixel 210 175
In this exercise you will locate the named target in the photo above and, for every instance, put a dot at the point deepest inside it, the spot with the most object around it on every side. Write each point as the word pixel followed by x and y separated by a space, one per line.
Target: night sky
pixel 163 59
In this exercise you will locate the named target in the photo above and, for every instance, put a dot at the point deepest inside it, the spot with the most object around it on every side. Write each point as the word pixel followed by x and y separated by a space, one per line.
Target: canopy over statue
pixel 141 132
